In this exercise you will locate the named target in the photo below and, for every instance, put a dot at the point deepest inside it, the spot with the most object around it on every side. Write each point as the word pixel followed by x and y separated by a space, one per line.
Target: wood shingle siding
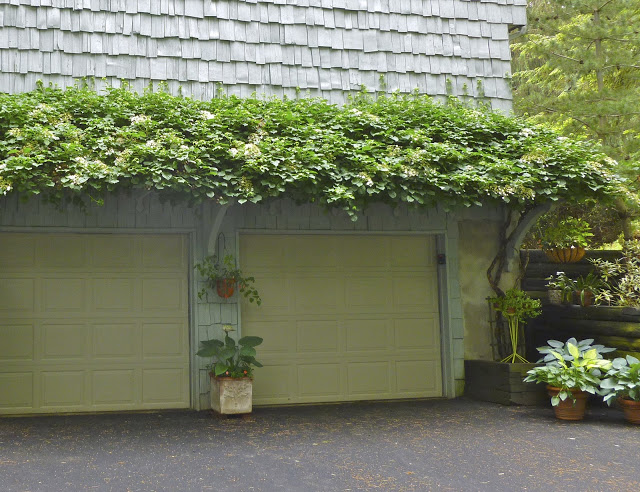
pixel 326 47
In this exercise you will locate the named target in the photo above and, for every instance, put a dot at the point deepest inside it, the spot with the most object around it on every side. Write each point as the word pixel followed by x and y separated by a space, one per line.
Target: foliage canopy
pixel 77 143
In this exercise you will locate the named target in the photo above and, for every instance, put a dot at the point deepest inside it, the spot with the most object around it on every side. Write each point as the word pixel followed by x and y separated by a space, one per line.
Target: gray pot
pixel 555 296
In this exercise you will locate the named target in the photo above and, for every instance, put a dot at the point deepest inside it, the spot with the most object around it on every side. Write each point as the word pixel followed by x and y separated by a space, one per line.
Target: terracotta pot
pixel 567 409
pixel 631 410
pixel 225 287
pixel 586 298
pixel 231 395
pixel 555 296
pixel 565 255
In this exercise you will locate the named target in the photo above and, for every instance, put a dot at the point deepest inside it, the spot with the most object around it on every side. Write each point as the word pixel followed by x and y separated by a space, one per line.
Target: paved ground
pixel 421 445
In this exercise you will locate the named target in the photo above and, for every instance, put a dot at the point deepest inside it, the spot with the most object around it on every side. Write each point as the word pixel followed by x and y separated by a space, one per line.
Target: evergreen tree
pixel 578 68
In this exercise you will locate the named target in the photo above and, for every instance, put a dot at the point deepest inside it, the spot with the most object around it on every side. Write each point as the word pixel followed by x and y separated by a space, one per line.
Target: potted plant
pixel 231 371
pixel 223 277
pixel 517 307
pixel 561 288
pixel 587 287
pixel 566 241
pixel 622 383
pixel 571 371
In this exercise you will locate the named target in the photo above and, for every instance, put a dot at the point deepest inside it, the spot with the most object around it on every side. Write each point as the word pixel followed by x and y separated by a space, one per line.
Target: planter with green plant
pixel 571 371
pixel 517 307
pixel 231 371
pixel 622 384
pixel 587 288
pixel 500 381
pixel 566 241
pixel 561 288
pixel 223 277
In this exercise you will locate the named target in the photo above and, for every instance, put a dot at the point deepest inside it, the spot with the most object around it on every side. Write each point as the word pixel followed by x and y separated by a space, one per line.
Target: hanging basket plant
pixel 223 277
pixel 565 255
pixel 226 287
pixel 565 242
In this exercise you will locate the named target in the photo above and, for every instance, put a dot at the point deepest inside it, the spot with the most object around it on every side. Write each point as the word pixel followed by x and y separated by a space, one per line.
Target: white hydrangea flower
pixel 139 119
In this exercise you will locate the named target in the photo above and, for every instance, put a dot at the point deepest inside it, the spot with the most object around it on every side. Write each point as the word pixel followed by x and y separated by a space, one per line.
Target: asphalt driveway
pixel 419 445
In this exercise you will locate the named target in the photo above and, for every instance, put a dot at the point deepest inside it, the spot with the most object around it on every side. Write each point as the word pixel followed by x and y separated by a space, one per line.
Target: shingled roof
pixel 273 47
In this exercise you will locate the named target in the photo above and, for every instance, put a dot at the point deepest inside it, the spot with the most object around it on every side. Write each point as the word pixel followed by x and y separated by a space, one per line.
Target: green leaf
pixel 250 341
pixel 248 351
pixel 221 368
pixel 590 354
pixel 573 350
pixel 227 352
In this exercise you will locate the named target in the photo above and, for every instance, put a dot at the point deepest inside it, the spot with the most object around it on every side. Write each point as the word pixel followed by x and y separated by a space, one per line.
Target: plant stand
pixel 514 332
pixel 501 382
pixel 231 396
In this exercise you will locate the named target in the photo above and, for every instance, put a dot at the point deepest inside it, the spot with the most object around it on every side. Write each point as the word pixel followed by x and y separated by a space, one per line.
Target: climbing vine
pixel 76 143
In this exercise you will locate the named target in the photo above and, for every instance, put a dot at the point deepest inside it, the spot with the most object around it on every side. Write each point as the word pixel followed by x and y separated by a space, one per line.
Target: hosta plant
pixel 571 366
pixel 230 358
pixel 622 380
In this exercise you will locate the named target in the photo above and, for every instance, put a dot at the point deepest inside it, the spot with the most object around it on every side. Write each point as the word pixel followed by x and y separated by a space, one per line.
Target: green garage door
pixel 93 322
pixel 343 317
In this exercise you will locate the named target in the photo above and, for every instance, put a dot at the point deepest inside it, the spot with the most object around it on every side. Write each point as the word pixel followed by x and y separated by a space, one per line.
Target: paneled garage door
pixel 93 322
pixel 343 317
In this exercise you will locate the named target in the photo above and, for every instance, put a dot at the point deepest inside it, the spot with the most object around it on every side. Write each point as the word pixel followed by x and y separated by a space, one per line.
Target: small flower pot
pixel 555 296
pixel 565 255
pixel 225 287
pixel 567 409
pixel 231 396
pixel 586 298
pixel 631 410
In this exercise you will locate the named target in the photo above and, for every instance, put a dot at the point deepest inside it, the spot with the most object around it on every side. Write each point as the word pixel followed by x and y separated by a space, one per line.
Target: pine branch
pixel 620 65
pixel 567 57
pixel 604 5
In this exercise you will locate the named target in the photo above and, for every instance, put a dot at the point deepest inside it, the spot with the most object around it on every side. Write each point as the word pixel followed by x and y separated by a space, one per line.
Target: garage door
pixel 93 322
pixel 343 317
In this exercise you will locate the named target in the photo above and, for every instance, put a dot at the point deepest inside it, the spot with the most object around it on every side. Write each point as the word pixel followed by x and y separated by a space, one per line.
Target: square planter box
pixel 231 396
pixel 501 382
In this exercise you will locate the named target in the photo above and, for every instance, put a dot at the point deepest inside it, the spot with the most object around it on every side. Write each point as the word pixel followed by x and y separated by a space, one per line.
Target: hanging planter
pixel 565 255
pixel 223 277
pixel 565 241
pixel 225 287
